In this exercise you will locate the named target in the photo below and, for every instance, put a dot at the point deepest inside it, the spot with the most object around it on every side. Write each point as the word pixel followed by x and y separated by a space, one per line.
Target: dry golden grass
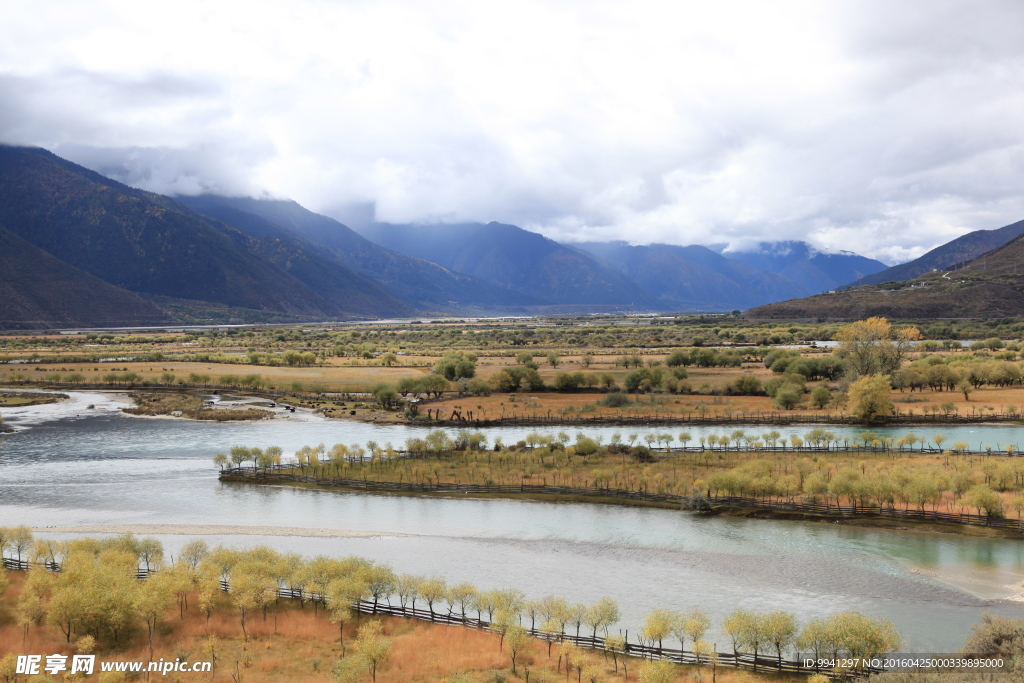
pixel 987 400
pixel 17 400
pixel 352 374
pixel 980 399
pixel 294 645
pixel 529 403
pixel 334 377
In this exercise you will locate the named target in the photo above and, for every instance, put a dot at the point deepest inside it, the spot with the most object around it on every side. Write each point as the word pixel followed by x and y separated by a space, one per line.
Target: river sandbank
pixel 213 530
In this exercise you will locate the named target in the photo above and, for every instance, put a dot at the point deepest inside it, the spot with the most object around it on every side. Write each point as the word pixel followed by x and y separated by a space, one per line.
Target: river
pixel 71 465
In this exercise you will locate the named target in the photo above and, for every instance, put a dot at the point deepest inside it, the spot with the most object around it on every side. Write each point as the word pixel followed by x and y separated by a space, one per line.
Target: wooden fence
pixel 831 447
pixel 451 617
pixel 820 508
pixel 825 508
pixel 760 419
pixel 16 564
pixel 634 649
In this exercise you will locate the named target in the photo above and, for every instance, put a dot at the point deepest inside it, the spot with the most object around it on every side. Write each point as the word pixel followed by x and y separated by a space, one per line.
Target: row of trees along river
pixel 871 474
pixel 104 588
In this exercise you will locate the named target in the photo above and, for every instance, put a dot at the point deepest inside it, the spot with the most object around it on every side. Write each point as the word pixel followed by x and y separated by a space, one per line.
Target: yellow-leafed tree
pixel 869 398
pixel 874 346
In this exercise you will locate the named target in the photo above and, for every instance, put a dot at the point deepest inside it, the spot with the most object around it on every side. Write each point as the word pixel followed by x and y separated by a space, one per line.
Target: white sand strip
pixel 213 530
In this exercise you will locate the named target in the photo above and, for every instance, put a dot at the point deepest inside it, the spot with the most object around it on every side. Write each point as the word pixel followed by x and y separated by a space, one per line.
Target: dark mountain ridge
pixel 990 286
pixel 961 250
pixel 149 244
pixel 275 260
pixel 311 263
pixel 38 291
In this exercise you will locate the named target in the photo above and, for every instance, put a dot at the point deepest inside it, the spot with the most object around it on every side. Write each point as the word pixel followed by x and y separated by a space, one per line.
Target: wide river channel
pixel 71 465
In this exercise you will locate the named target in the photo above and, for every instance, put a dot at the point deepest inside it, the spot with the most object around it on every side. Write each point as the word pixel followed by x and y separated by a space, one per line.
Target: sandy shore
pixel 987 585
pixel 212 530
pixel 278 413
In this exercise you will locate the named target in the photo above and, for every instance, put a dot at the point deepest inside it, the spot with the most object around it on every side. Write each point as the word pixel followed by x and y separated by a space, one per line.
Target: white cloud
pixel 881 128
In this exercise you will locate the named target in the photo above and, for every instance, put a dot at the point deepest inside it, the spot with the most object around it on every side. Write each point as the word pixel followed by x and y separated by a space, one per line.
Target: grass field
pixel 336 376
pixel 988 400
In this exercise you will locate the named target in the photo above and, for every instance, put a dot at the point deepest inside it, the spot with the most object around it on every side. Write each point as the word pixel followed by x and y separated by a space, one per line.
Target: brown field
pixel 988 400
pixel 295 644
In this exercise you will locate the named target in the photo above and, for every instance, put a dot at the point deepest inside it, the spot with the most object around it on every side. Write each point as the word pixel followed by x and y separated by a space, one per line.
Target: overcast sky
pixel 885 128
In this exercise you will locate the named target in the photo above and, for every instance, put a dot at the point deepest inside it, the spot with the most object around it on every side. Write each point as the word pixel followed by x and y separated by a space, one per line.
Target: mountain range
pixel 421 284
pixel 80 249
pixel 695 277
pixel 961 250
pixel 977 275
pixel 814 270
pixel 655 277
pixel 989 286
pixel 517 259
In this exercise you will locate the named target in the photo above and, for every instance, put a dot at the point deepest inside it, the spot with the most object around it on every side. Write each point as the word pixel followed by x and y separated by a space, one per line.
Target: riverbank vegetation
pixel 97 605
pixel 868 473
pixel 12 399
pixel 190 406
pixel 289 618
pixel 570 369
pixel 599 334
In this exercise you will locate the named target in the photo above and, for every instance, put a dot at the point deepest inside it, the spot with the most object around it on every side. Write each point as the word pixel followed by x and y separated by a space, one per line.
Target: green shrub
pixel 478 387
pixel 788 397
pixel 616 399
pixel 774 385
pixel 747 385
pixel 821 397
pixel 568 381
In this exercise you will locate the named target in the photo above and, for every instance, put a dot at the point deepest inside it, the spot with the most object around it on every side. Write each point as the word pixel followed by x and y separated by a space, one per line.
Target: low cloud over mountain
pixel 890 127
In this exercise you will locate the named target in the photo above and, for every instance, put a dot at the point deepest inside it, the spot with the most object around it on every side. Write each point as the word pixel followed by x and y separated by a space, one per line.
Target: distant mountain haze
pixel 962 249
pixel 420 283
pixel 39 291
pixel 800 262
pixel 516 259
pixel 133 257
pixel 694 277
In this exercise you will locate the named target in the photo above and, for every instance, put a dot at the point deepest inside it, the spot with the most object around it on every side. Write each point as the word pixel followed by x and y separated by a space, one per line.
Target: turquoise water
pixel 73 466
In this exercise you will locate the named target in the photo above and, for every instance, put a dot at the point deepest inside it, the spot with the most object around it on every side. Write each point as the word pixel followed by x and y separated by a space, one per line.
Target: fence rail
pixel 831 447
pixel 825 508
pixel 647 651
pixel 853 511
pixel 17 564
pixel 451 617
pixel 681 451
pixel 766 419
